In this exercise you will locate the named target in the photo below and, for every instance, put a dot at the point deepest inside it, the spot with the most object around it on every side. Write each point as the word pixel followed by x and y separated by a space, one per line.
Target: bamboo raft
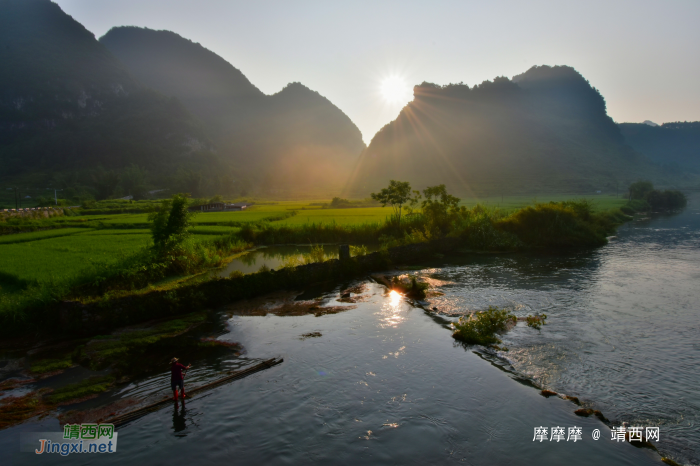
pixel 137 413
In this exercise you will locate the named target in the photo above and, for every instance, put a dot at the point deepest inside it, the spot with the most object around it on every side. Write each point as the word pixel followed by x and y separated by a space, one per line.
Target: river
pixel 385 383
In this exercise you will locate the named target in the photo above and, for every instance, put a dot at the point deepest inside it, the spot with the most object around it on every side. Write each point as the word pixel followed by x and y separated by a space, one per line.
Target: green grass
pixel 127 219
pixel 252 215
pixel 40 235
pixel 213 230
pixel 200 218
pixel 107 350
pixel 56 259
pixel 117 232
pixel 43 366
pixel 339 216
pixel 85 388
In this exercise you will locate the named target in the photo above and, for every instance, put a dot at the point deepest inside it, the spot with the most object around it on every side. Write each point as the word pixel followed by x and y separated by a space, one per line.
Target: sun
pixel 395 90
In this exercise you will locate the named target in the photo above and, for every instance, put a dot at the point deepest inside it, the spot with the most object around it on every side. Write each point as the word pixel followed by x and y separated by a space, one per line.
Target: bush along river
pixel 371 377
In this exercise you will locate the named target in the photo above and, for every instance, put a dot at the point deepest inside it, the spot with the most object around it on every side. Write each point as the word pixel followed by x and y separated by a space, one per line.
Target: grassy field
pixel 52 254
pixel 40 235
pixel 339 216
pixel 213 230
pixel 61 257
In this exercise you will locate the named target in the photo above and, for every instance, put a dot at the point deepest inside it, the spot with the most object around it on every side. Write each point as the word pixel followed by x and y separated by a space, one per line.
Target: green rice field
pixel 65 251
pixel 57 258
pixel 40 235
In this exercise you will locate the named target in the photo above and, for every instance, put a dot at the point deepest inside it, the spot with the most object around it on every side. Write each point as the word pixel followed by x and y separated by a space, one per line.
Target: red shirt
pixel 176 372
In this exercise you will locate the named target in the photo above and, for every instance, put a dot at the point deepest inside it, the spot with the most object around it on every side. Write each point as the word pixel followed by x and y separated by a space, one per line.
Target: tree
pixel 640 189
pixel 439 207
pixel 188 181
pixel 169 224
pixel 339 203
pixel 105 182
pixel 396 195
pixel 133 180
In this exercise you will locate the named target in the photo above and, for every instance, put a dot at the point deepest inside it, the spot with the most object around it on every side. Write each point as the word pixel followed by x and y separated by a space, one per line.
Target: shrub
pixel 316 254
pixel 411 287
pixel 169 224
pixel 481 327
pixel 666 200
pixel 358 250
pixel 640 189
pixel 634 206
pixel 558 224
pixel 439 209
pixel 291 261
pixel 477 228
pixel 537 321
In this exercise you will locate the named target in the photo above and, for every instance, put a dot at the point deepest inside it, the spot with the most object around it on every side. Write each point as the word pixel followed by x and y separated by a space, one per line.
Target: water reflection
pixel 395 298
pixel 179 422
pixel 275 257
pixel 392 311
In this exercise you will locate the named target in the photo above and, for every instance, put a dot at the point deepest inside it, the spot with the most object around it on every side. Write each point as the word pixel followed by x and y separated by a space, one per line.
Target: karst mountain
pixel 544 130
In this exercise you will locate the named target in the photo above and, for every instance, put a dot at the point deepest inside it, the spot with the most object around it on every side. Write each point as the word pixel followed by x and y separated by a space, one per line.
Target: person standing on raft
pixel 176 378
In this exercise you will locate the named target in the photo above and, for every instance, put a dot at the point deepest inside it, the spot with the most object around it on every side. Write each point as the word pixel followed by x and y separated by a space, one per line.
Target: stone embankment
pixel 31 213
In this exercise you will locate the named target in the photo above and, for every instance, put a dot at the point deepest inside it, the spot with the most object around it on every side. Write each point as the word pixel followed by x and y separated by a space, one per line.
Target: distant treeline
pixel 644 192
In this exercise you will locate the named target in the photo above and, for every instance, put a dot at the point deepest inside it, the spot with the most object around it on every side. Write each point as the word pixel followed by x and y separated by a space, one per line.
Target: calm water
pixel 386 384
pixel 274 257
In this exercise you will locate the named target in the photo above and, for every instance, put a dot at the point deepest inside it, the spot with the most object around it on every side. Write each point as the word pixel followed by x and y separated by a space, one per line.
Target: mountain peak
pixel 177 66
pixel 547 125
pixel 76 60
pixel 282 139
pixel 66 101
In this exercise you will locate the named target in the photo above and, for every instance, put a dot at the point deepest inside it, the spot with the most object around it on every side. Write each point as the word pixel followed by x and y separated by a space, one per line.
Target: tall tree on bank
pixel 396 195
pixel 169 225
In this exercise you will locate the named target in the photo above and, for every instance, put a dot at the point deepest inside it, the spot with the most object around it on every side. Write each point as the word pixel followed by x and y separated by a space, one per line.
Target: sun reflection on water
pixel 392 310
pixel 395 298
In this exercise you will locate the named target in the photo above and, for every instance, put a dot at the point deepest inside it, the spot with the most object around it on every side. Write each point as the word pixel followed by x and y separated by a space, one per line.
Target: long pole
pixel 55 197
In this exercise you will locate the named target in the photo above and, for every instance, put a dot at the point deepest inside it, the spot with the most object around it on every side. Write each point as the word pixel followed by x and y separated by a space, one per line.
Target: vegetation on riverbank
pixel 167 263
pixel 644 198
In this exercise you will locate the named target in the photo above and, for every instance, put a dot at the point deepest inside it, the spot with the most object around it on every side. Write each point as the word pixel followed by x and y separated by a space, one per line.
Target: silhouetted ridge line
pixel 675 146
pixel 293 139
pixel 67 104
pixel 546 129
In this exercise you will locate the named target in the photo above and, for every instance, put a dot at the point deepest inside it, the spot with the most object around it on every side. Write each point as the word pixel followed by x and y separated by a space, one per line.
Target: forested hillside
pixel 675 146
pixel 67 105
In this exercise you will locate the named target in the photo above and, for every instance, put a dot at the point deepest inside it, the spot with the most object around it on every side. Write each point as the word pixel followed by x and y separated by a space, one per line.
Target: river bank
pixel 155 284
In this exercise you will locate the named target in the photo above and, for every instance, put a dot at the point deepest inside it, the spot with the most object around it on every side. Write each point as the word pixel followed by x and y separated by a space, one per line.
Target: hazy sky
pixel 642 55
